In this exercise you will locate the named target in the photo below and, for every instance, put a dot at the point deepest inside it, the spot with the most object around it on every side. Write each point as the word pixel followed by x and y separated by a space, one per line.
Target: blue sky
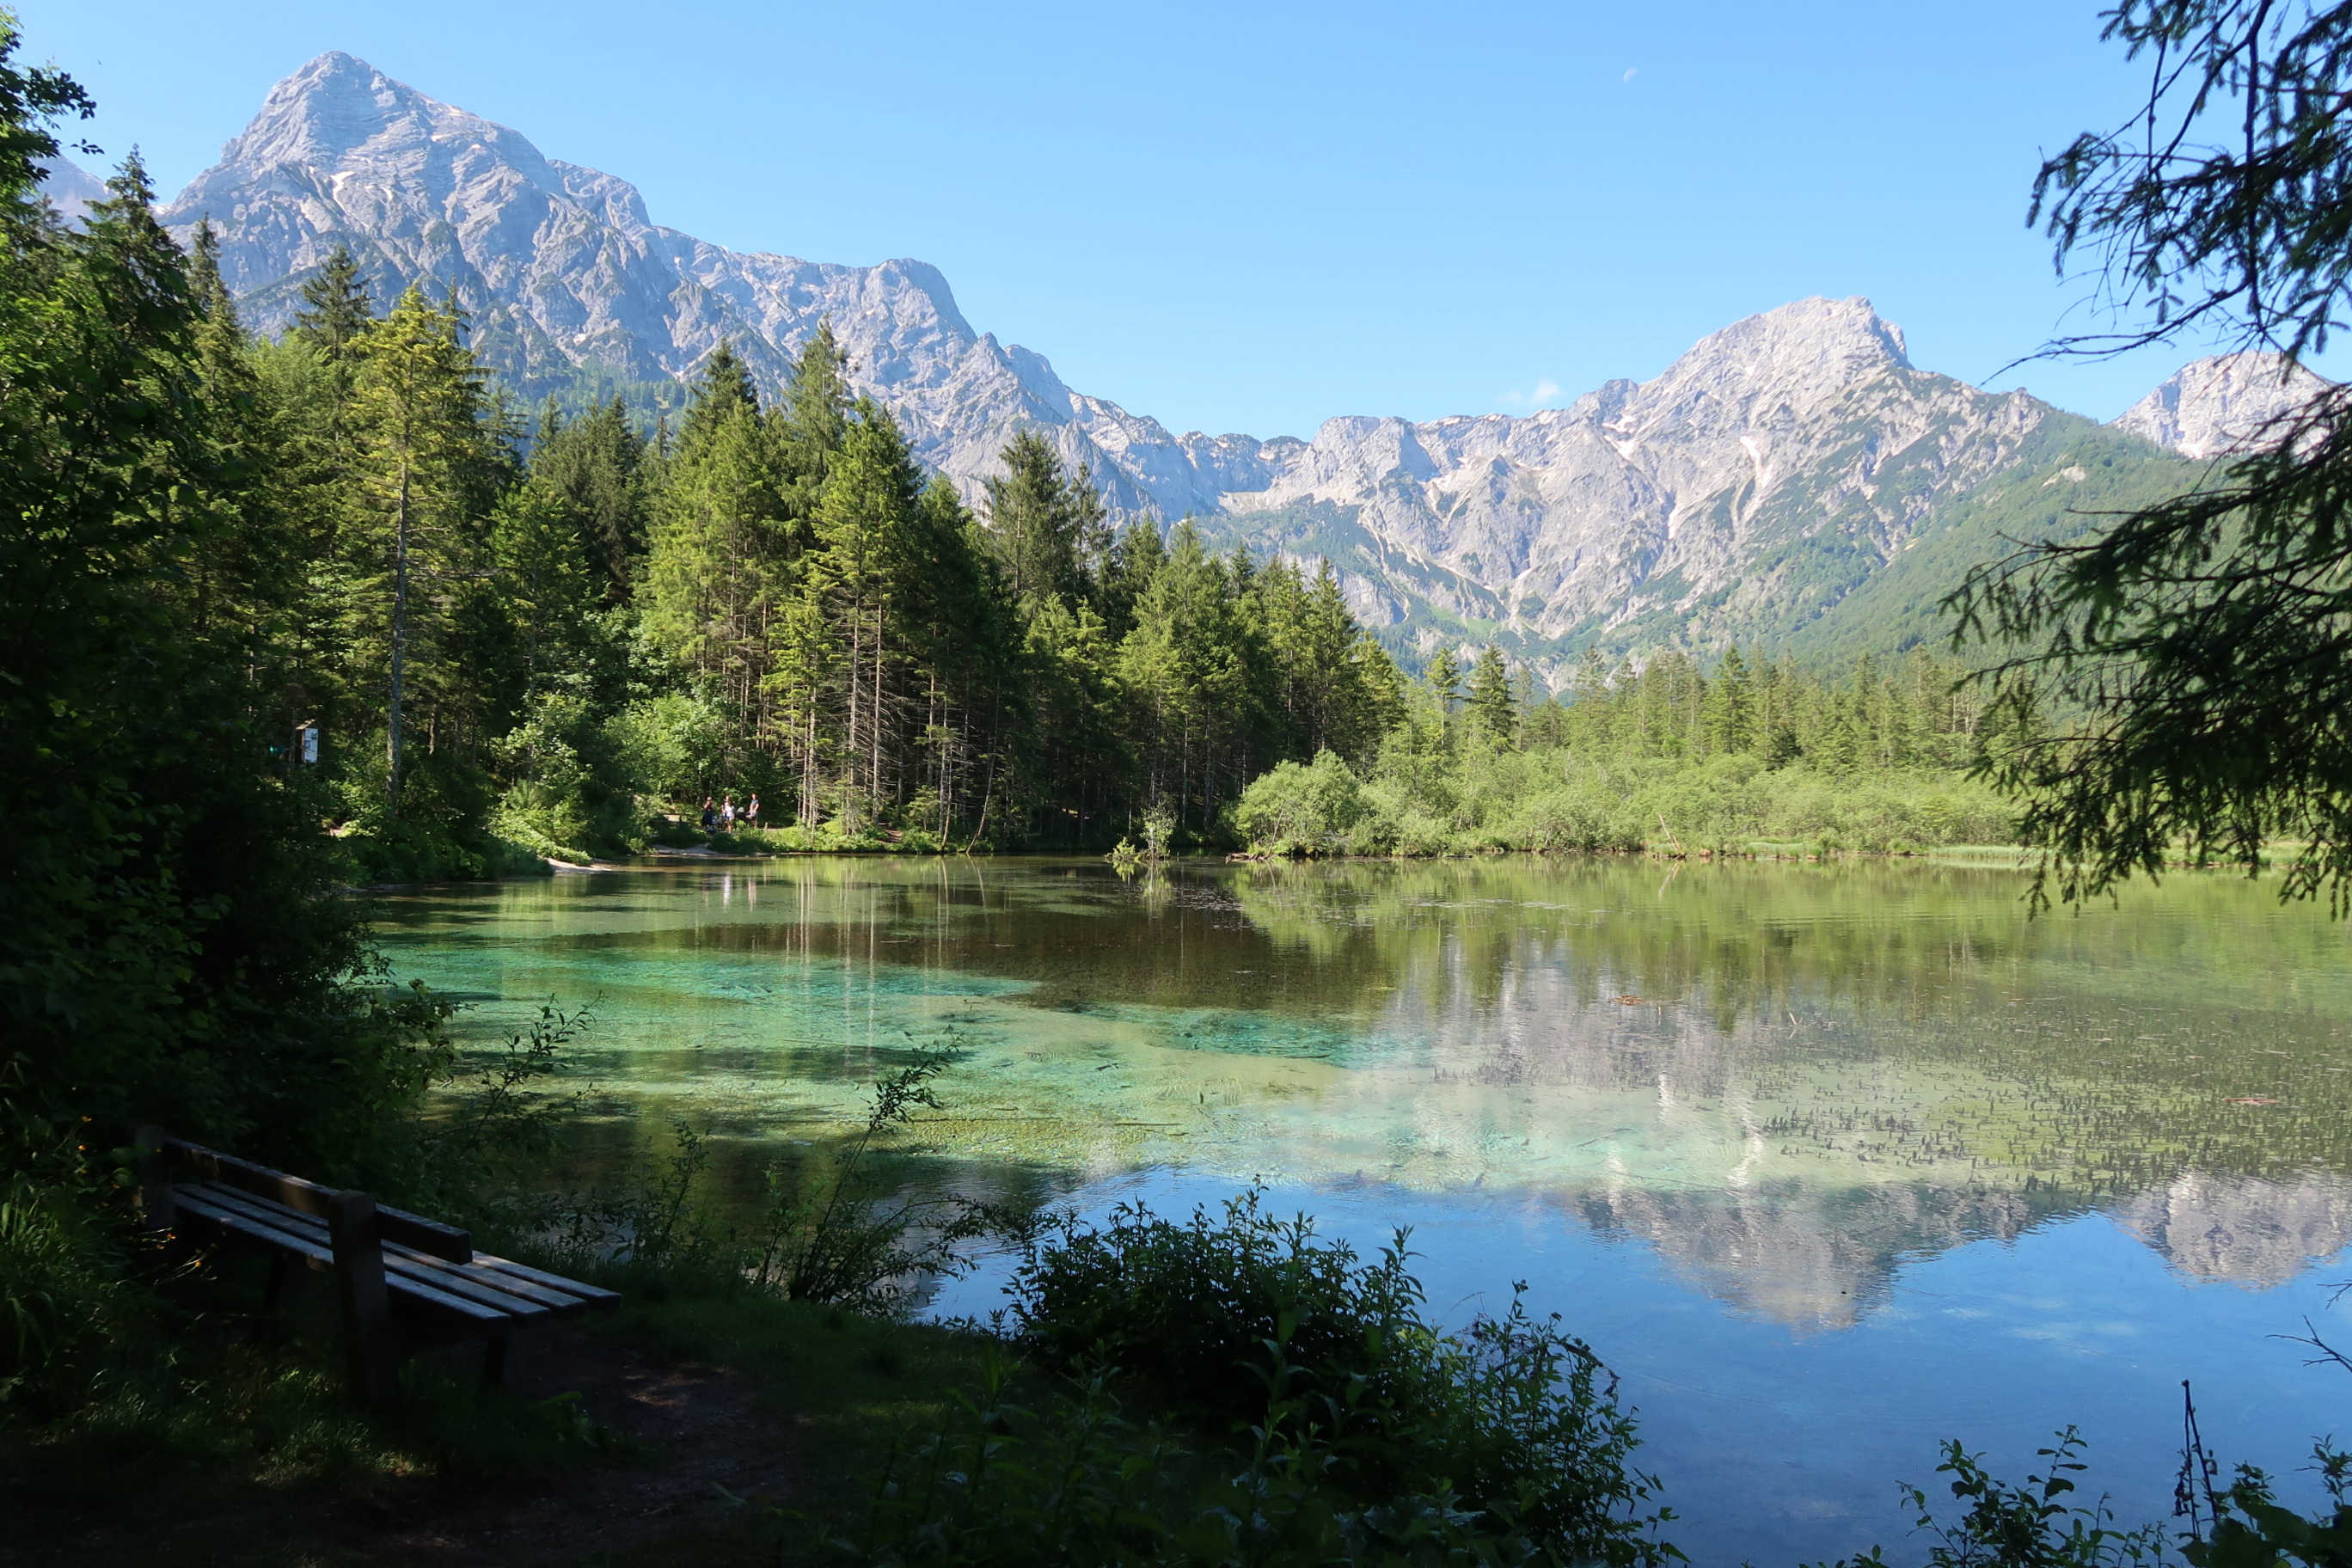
pixel 1252 217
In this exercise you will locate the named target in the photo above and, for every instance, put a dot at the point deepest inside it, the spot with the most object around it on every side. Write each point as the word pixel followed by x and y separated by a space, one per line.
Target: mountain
pixel 71 189
pixel 1772 470
pixel 2212 407
pixel 1779 468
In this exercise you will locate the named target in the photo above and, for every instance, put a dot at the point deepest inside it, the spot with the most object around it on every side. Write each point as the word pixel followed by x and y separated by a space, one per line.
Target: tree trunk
pixel 399 641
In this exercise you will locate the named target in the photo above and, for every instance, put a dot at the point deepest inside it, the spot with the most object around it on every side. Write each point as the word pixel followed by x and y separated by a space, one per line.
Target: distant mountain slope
pixel 2065 480
pixel 1779 468
pixel 71 189
pixel 570 284
pixel 2211 407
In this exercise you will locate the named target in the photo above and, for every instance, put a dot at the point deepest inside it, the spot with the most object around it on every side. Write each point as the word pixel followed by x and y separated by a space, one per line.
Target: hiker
pixel 727 815
pixel 709 816
pixel 752 812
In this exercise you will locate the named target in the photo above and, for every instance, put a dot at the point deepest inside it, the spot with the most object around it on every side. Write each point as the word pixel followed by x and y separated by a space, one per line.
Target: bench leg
pixel 289 1278
pixel 370 1351
pixel 493 1362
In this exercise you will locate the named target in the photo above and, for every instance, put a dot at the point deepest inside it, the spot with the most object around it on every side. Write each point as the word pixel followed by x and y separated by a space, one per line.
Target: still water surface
pixel 1829 1163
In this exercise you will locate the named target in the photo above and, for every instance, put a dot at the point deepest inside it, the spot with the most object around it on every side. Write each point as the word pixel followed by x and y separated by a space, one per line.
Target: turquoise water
pixel 1829 1163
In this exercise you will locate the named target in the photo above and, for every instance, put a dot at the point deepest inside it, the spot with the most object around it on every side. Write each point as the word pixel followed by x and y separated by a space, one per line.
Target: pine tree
pixel 1731 705
pixel 594 468
pixel 1045 524
pixel 816 416
pixel 421 460
pixel 336 309
pixel 721 560
pixel 1443 679
pixel 864 517
pixel 1133 561
pixel 1491 709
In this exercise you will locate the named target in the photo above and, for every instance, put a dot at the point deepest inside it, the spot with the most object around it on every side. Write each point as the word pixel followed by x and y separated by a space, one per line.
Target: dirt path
pixel 701 1437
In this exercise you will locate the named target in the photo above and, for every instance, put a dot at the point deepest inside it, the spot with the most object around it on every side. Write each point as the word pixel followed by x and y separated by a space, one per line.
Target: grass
pixel 231 1442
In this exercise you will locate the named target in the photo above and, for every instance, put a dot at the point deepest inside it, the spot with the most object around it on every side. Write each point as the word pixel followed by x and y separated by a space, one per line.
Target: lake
pixel 1829 1163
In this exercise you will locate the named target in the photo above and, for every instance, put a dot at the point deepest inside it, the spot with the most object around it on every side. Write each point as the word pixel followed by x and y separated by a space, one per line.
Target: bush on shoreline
pixel 1548 800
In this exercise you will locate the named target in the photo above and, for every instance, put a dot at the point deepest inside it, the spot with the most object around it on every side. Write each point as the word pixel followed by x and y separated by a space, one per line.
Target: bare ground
pixel 697 1447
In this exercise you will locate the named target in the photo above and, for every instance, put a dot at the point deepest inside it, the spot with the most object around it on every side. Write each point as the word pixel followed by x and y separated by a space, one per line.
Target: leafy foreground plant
pixel 2033 1526
pixel 836 1232
pixel 1303 1410
pixel 2039 1524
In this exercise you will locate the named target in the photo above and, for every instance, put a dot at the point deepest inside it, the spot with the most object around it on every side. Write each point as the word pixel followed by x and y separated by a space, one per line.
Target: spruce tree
pixel 816 414
pixel 335 307
pixel 594 468
pixel 1038 520
pixel 1490 704
pixel 422 461
pixel 1134 560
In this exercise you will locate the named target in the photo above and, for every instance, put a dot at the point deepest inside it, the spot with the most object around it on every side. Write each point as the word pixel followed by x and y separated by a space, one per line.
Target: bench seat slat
pixel 439 1270
pixel 221 1195
pixel 487 1316
pixel 406 1272
pixel 457 1281
pixel 594 1294
pixel 485 1288
pixel 282 1238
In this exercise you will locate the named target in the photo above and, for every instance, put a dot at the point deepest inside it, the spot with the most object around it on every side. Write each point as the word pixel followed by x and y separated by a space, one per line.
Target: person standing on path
pixel 752 812
pixel 727 815
pixel 709 816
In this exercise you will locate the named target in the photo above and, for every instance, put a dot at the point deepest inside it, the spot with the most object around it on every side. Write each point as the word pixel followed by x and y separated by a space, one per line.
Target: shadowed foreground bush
pixel 1306 1411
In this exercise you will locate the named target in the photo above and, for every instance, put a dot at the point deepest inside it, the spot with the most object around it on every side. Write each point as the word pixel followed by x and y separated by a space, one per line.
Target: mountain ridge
pixel 1770 471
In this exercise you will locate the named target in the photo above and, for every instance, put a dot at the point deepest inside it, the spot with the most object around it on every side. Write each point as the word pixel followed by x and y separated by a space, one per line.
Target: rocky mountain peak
pixel 2212 407
pixel 1742 493
pixel 1821 340
pixel 1778 365
pixel 338 109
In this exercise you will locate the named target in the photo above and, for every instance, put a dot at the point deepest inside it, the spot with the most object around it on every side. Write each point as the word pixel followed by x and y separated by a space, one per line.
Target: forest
pixel 510 635
pixel 540 636
pixel 1764 758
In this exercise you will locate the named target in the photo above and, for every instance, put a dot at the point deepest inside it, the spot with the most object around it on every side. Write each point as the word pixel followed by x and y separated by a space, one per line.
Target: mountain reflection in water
pixel 1795 1088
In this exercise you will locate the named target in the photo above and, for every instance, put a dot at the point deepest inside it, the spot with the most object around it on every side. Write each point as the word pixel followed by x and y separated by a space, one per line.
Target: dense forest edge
pixel 477 638
pixel 515 636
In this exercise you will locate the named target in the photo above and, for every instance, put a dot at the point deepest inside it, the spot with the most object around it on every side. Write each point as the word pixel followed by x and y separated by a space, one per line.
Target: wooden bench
pixel 400 1278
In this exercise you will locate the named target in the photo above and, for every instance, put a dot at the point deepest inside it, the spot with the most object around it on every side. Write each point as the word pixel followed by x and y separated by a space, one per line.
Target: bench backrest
pixel 426 1235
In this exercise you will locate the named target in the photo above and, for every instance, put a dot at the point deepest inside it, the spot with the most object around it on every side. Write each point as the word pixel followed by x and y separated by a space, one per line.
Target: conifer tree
pixel 817 406
pixel 1490 704
pixel 864 514
pixel 1132 562
pixel 1045 524
pixel 722 558
pixel 1443 679
pixel 335 307
pixel 421 462
pixel 593 470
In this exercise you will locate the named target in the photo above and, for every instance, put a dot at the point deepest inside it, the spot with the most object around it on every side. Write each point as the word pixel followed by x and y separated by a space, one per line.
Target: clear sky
pixel 1253 216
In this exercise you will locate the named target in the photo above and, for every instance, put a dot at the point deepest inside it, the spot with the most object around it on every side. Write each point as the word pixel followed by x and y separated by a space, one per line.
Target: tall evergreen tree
pixel 593 470
pixel 1491 707
pixel 335 307
pixel 424 465
pixel 1048 526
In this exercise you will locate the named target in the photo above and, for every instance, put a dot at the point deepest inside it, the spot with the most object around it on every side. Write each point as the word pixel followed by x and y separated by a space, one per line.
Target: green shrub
pixel 2037 1525
pixel 669 745
pixel 1508 1432
pixel 1310 810
pixel 61 1287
